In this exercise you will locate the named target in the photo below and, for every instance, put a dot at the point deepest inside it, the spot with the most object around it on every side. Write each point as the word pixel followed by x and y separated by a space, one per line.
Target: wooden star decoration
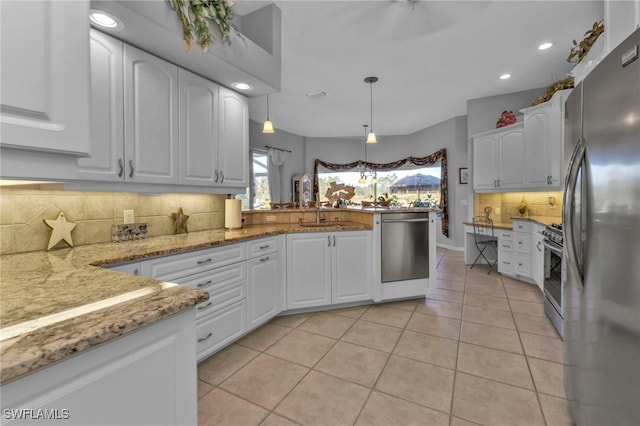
pixel 180 222
pixel 60 230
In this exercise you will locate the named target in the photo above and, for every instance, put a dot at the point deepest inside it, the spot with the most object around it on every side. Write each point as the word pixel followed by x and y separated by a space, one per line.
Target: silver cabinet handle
pixel 136 272
pixel 264 247
pixel 498 183
pixel 520 242
pixel 264 259
pixel 131 167
pixel 538 246
pixel 519 264
pixel 216 176
pixel 204 283
pixel 334 240
pixel 202 262
pixel 121 172
pixel 507 263
pixel 328 240
pixel 221 176
pixel 202 308
pixel 202 339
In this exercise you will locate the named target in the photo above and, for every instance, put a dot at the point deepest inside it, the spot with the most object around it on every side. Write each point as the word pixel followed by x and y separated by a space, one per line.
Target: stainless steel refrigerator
pixel 601 218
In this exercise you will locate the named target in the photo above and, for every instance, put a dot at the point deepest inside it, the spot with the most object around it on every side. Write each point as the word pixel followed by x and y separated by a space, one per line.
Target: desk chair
pixel 484 237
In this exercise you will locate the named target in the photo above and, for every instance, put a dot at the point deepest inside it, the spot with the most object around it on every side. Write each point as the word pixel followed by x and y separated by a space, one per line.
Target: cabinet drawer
pixel 181 265
pixel 225 286
pixel 505 235
pixel 262 246
pixel 217 330
pixel 522 242
pixel 505 245
pixel 521 226
pixel 522 264
pixel 505 263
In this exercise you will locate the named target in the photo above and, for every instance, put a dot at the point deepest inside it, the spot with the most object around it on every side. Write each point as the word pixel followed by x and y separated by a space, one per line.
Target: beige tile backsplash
pixel 508 202
pixel 22 212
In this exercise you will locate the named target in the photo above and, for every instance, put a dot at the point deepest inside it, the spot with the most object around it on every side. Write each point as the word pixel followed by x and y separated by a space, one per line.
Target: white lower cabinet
pixel 265 289
pixel 325 268
pixel 147 377
pixel 217 330
pixel 244 281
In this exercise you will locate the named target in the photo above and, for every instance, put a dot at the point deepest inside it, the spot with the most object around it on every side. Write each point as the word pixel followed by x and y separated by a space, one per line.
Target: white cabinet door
pixel 150 118
pixel 352 269
pixel 199 101
pixel 234 140
pixel 511 146
pixel 217 330
pixel 107 162
pixel 265 289
pixel 45 75
pixel 485 163
pixel 536 134
pixel 308 270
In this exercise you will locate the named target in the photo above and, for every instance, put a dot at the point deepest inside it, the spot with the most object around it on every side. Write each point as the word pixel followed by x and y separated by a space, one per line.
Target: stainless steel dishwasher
pixel 404 250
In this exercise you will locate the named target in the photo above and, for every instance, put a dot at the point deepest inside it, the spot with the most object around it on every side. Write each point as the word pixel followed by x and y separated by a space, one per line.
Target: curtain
pixel 277 157
pixel 429 160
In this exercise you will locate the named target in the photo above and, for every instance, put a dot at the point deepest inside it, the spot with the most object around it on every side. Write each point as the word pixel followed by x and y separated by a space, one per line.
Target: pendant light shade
pixel 371 138
pixel 268 125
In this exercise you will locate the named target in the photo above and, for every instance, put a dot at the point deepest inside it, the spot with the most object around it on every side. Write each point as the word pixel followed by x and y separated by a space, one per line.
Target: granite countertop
pixel 59 303
pixel 542 220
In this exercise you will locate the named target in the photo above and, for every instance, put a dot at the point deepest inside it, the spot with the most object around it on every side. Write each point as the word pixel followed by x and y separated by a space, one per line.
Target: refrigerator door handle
pixel 569 191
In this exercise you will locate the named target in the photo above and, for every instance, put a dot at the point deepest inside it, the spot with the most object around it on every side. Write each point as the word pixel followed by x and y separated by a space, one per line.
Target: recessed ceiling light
pixel 242 86
pixel 545 46
pixel 505 76
pixel 105 20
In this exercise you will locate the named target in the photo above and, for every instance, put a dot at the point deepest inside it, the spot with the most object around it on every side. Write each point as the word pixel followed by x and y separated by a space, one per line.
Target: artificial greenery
pixel 195 17
pixel 579 50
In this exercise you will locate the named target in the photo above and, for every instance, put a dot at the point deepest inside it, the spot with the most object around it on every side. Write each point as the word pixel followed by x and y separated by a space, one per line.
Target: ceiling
pixel 430 57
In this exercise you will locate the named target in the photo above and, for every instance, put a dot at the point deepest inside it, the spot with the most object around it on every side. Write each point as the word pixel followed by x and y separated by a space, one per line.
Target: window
pixel 410 186
pixel 257 194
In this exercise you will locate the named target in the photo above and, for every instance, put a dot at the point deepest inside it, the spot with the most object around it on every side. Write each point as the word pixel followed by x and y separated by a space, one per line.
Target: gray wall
pixel 280 139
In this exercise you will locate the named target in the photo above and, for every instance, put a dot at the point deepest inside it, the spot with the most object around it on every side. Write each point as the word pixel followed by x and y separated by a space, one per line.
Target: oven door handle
pixel 575 163
pixel 555 250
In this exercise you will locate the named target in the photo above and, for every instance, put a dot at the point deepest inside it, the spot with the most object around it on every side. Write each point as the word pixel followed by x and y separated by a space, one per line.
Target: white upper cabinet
pixel 107 162
pixel 234 139
pixel 199 101
pixel 150 118
pixel 621 18
pixel 45 82
pixel 544 138
pixel 45 75
pixel 498 159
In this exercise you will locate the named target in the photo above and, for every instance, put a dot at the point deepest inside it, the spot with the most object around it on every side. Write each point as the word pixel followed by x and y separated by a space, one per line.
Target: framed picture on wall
pixel 463 175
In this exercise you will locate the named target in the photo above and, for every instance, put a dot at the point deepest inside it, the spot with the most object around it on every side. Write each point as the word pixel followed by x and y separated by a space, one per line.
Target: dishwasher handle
pixel 426 219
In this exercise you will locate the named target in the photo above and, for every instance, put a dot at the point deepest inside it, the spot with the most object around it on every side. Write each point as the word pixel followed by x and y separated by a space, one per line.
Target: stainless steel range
pixel 553 276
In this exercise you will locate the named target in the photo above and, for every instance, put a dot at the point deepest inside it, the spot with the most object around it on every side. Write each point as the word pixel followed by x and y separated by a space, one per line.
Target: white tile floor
pixel 479 351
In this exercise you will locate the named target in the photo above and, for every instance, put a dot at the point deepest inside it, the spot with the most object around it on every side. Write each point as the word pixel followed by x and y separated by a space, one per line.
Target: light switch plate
pixel 496 210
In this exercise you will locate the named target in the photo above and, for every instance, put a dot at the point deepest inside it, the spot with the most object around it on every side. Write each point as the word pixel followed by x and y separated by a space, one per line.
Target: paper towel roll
pixel 232 214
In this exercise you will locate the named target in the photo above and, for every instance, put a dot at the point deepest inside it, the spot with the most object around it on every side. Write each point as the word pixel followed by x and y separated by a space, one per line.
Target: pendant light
pixel 363 178
pixel 268 125
pixel 371 138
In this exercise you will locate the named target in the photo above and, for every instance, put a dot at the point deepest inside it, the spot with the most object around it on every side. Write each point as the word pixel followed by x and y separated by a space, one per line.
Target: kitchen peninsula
pixel 74 332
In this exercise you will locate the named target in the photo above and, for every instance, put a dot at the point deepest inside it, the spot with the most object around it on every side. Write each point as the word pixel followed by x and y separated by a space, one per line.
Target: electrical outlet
pixel 496 210
pixel 128 216
pixel 270 218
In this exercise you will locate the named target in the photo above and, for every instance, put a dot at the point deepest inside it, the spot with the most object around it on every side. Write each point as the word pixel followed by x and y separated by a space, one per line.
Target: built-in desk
pixel 470 249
